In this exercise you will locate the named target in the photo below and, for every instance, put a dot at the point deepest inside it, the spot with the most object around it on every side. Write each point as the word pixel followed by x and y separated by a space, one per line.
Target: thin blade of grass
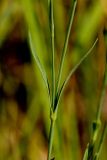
pixel 66 44
pixel 72 72
pixel 41 68
pixel 35 39
pixel 51 22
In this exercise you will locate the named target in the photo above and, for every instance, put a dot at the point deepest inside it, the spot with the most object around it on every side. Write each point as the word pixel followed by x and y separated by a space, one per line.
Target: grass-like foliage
pixel 87 40
pixel 56 90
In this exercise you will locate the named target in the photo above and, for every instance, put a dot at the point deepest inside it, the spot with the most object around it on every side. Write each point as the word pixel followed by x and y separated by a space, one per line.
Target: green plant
pixel 56 88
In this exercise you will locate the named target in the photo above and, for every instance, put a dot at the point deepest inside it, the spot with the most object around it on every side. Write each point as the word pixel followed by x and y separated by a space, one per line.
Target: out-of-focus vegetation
pixel 24 103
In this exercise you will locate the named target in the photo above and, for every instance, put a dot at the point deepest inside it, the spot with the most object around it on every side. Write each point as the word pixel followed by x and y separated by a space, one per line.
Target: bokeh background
pixel 24 103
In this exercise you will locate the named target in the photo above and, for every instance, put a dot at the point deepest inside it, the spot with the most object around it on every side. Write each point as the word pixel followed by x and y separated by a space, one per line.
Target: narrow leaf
pixel 36 58
pixel 51 23
pixel 73 71
pixel 66 44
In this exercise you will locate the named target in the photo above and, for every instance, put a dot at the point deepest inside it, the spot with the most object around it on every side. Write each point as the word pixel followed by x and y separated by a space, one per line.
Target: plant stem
pixel 51 21
pixel 50 139
pixel 65 45
pixel 51 134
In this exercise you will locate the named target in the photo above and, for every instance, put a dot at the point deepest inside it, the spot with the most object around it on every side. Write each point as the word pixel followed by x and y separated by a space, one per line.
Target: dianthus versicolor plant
pixel 56 88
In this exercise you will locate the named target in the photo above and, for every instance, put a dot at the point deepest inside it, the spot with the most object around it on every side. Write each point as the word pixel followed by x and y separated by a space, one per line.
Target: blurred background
pixel 24 102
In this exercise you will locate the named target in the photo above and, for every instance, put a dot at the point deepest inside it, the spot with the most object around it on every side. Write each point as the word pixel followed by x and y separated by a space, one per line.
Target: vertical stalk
pixel 51 21
pixel 51 133
pixel 51 139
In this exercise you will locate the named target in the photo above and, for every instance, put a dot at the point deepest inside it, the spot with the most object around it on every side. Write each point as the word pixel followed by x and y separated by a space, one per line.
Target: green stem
pixel 65 45
pixel 51 20
pixel 51 134
pixel 50 139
